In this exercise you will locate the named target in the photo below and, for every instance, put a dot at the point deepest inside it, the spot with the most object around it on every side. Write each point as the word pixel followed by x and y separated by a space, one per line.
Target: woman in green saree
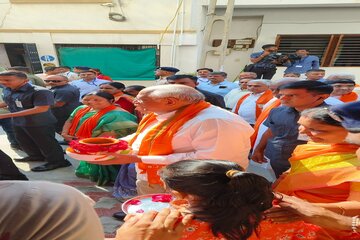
pixel 98 117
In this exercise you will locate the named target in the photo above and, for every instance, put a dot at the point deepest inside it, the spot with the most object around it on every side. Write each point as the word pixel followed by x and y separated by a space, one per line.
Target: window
pixel 332 50
pixel 348 51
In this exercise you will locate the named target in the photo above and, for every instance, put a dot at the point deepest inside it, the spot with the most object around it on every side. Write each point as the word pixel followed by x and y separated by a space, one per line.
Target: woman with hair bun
pixel 227 203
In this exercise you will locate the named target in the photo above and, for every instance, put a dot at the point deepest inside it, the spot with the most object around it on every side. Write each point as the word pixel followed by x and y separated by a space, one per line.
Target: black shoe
pixel 51 166
pixel 63 142
pixel 16 147
pixel 29 159
pixel 119 216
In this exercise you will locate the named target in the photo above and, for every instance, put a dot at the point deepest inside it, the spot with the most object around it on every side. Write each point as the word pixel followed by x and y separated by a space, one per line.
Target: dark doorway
pixel 24 54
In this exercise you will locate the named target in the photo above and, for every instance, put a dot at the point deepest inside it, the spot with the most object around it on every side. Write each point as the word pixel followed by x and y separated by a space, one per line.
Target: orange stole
pixel 262 117
pixel 263 99
pixel 316 167
pixel 86 128
pixel 196 230
pixel 308 172
pixel 158 140
pixel 350 97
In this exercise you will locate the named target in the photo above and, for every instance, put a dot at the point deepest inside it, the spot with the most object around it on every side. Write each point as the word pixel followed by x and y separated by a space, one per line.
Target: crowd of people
pixel 252 159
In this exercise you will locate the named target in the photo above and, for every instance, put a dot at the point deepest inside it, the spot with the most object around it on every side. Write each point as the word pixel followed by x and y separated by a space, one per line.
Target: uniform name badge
pixel 299 66
pixel 18 103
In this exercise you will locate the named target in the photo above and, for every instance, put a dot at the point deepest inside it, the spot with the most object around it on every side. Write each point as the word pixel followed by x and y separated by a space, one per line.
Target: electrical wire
pixel 121 9
pixel 172 20
pixel 7 13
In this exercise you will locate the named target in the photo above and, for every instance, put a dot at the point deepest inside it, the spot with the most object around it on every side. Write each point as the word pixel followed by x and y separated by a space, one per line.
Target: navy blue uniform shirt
pixel 27 97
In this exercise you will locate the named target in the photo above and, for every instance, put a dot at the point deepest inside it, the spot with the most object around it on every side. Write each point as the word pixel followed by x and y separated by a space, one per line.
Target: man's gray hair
pixel 182 92
pixel 285 80
pixel 60 76
pixel 261 81
pixel 224 74
pixel 252 74
pixel 341 76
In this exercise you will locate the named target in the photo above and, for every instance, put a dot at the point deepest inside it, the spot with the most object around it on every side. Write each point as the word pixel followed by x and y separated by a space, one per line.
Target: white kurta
pixel 264 169
pixel 213 134
pixel 233 97
pixel 247 109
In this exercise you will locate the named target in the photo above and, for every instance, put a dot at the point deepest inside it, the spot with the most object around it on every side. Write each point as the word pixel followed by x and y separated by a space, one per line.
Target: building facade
pixel 33 32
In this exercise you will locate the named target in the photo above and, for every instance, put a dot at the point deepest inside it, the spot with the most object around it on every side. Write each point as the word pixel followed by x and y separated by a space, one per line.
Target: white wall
pixel 241 27
pixel 290 21
pixel 139 14
pixel 287 3
pixel 309 21
pixel 49 24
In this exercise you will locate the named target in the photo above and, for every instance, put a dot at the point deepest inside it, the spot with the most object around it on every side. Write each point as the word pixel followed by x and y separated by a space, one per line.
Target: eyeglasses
pixel 55 81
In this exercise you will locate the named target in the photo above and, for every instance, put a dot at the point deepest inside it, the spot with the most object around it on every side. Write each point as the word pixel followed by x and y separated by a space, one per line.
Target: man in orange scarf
pixel 250 105
pixel 343 90
pixel 180 125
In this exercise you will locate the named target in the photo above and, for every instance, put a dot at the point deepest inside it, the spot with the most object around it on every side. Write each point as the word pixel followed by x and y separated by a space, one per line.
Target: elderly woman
pixel 324 172
pixel 98 117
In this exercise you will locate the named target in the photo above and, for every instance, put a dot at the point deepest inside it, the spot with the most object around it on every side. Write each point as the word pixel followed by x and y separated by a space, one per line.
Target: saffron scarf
pixel 262 117
pixel 263 99
pixel 350 97
pixel 321 167
pixel 158 141
pixel 317 167
pixel 196 230
pixel 86 128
